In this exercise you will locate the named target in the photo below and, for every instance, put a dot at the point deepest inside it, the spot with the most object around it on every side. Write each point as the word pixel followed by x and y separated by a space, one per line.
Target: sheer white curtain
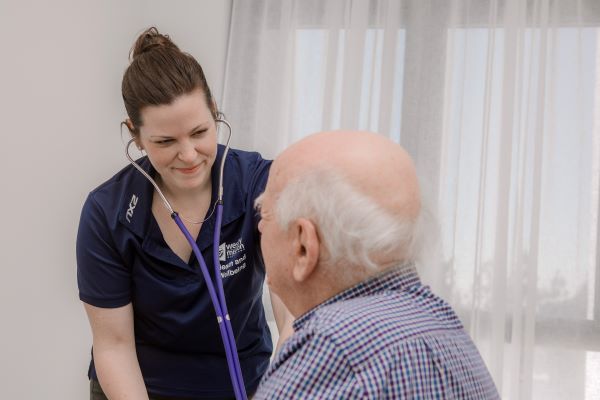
pixel 499 104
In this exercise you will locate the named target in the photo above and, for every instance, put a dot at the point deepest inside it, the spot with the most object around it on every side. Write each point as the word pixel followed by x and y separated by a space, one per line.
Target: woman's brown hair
pixel 159 73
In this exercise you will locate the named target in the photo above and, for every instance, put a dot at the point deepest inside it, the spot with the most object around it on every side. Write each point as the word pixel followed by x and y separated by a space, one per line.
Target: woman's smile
pixel 189 170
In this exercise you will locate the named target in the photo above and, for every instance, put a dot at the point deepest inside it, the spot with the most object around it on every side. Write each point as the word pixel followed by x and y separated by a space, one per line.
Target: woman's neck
pixel 185 199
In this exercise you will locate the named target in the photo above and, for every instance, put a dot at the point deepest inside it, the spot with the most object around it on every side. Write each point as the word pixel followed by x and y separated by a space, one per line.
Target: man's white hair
pixel 354 229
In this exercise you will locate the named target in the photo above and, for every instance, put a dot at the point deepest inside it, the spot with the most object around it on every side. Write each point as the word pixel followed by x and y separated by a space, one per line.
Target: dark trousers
pixel 96 393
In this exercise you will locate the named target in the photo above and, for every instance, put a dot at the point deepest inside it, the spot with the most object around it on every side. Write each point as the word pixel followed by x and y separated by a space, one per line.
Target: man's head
pixel 338 208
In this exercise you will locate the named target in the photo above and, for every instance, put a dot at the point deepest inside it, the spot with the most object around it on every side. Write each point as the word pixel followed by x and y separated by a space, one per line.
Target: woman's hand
pixel 283 319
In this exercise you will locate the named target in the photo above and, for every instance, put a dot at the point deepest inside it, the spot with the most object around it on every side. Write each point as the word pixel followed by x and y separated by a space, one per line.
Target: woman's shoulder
pixel 246 163
pixel 124 177
pixel 246 158
pixel 111 194
pixel 248 168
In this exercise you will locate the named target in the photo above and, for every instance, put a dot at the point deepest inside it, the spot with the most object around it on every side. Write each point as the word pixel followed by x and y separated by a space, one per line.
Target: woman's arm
pixel 115 357
pixel 283 319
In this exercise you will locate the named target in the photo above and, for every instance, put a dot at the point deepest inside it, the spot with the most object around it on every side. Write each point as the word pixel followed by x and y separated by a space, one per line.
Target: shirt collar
pixel 398 277
pixel 233 199
pixel 137 193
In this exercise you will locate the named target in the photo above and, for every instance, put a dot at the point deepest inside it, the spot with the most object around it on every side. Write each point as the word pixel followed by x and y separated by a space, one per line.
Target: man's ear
pixel 306 245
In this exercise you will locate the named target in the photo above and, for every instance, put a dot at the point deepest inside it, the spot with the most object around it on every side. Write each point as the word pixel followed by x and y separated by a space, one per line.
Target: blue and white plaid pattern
pixel 386 338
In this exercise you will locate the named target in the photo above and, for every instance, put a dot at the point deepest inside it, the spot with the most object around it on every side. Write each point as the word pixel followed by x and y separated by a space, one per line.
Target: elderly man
pixel 340 227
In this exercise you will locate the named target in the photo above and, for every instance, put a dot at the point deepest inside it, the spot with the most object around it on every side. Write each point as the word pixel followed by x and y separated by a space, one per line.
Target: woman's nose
pixel 187 152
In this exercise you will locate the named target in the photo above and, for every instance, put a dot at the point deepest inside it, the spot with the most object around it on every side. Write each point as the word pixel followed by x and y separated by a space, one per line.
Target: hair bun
pixel 149 40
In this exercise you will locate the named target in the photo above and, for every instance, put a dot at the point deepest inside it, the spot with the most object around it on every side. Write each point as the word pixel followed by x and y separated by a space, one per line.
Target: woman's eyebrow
pixel 201 126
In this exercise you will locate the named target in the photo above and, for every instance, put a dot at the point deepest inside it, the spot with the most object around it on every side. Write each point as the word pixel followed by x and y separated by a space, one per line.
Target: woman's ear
pixel 129 126
pixel 134 135
pixel 214 110
pixel 305 248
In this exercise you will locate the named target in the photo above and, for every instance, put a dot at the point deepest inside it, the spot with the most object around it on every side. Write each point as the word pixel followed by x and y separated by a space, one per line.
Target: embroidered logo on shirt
pixel 222 250
pixel 229 251
pixel 132 204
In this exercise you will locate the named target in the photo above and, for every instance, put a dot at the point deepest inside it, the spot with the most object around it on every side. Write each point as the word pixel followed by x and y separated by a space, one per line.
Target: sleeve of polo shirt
pixel 258 180
pixel 103 279
pixel 316 370
pixel 260 175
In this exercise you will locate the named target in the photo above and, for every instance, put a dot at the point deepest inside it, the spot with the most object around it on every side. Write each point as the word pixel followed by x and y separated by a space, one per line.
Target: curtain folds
pixel 498 101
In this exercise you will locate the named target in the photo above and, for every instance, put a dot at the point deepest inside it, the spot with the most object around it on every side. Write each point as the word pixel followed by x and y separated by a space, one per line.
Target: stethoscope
pixel 217 296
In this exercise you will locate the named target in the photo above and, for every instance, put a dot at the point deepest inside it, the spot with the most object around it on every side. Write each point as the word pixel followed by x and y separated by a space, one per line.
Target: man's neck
pixel 322 288
pixel 330 282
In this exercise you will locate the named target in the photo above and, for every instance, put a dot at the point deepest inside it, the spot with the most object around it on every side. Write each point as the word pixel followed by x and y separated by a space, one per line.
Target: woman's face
pixel 181 142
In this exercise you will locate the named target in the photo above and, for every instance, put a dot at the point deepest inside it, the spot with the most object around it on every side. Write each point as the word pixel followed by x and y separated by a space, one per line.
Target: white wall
pixel 61 64
pixel 198 27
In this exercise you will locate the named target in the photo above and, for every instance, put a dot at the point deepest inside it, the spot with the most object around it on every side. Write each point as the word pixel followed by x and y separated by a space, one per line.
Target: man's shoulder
pixel 375 336
pixel 381 320
pixel 383 307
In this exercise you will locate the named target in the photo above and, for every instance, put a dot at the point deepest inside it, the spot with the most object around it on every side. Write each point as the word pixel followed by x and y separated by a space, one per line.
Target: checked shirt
pixel 388 337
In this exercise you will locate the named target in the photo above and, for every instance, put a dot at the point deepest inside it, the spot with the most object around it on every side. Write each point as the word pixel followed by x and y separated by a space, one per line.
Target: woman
pixel 154 328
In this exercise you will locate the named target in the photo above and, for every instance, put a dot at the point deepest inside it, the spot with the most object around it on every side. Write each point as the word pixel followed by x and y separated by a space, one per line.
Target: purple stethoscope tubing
pixel 217 295
pixel 221 292
pixel 220 306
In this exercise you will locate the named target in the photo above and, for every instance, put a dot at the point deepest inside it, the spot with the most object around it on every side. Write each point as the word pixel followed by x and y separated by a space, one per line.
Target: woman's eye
pixel 166 141
pixel 200 133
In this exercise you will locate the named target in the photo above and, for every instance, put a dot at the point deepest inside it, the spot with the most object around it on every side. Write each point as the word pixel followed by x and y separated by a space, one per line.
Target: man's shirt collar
pixel 398 277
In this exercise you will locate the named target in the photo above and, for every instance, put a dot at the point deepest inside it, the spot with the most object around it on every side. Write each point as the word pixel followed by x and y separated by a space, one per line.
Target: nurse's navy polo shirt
pixel 122 258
